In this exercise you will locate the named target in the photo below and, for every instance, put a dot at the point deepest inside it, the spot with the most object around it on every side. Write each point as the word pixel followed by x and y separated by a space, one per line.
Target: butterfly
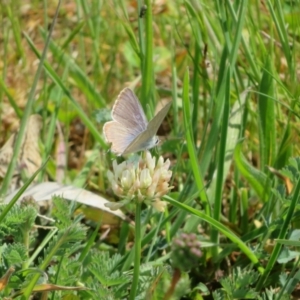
pixel 130 131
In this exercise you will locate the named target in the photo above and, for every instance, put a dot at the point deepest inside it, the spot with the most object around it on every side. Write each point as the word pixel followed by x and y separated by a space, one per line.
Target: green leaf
pixel 287 255
pixel 78 75
pixel 220 227
pixel 266 118
pixel 257 179
pixel 191 143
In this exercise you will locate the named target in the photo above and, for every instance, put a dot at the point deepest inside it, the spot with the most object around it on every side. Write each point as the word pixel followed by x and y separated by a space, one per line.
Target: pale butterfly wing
pixel 129 131
pixel 154 124
pixel 128 122
pixel 128 111
pixel 118 135
pixel 148 139
pixel 143 141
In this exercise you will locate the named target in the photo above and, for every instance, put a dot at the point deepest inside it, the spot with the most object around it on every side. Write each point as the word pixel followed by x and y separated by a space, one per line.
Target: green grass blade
pixel 244 207
pixel 87 12
pixel 147 66
pixel 55 77
pixel 240 25
pixel 10 98
pixel 250 59
pixel 52 124
pixel 16 29
pixel 220 227
pixel 221 166
pixel 82 177
pixel 79 76
pixel 190 143
pixel 257 179
pixel 199 31
pixel 73 34
pixel 132 39
pixel 174 95
pixel 285 148
pixel 21 191
pixel 216 111
pixel 281 29
pixel 27 112
pixel 233 134
pixel 282 235
pixel 266 118
pixel 141 30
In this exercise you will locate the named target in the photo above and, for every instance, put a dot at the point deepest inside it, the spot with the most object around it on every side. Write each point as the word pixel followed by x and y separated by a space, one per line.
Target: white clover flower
pixel 159 205
pixel 150 161
pixel 127 179
pixel 144 180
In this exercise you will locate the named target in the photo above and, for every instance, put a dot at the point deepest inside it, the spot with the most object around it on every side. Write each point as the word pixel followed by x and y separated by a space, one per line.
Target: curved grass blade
pixel 266 118
pixel 257 179
pixel 282 235
pixel 79 76
pixel 221 165
pixel 147 60
pixel 27 111
pixel 55 77
pixel 220 227
pixel 191 144
pixel 21 191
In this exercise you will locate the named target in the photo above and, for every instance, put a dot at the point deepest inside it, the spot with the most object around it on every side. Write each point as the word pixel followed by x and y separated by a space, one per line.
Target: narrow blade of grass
pixel 55 77
pixel 282 234
pixel 21 191
pixel 79 76
pixel 220 227
pixel 27 112
pixel 278 19
pixel 266 119
pixel 191 144
pixel 257 179
pixel 10 98
pixel 221 166
pixel 147 64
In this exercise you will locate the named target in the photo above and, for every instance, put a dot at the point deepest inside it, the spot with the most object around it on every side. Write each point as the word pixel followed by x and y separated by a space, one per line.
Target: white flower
pixel 127 179
pixel 150 161
pixel 159 205
pixel 144 180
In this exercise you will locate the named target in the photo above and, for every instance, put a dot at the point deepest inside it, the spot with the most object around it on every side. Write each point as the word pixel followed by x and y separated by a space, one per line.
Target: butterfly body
pixel 129 131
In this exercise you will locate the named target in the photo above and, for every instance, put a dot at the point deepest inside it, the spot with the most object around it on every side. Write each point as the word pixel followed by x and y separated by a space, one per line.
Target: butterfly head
pixel 157 140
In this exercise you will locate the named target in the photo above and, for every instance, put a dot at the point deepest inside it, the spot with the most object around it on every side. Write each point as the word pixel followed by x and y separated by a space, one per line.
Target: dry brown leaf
pixel 53 287
pixel 60 156
pixel 287 182
pixel 44 287
pixel 4 279
pixel 46 190
pixel 29 158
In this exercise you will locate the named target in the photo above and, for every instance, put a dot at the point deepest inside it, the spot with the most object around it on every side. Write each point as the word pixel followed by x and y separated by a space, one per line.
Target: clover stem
pixel 137 251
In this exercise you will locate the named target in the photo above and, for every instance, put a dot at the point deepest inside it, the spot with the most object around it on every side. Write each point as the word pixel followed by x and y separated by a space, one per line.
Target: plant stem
pixel 175 279
pixel 137 252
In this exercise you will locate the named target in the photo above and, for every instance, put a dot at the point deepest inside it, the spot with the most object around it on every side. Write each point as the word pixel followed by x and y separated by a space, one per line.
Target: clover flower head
pixel 144 180
pixel 186 251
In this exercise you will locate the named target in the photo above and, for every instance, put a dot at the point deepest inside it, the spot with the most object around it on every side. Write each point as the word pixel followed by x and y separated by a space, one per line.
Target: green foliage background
pixel 231 70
